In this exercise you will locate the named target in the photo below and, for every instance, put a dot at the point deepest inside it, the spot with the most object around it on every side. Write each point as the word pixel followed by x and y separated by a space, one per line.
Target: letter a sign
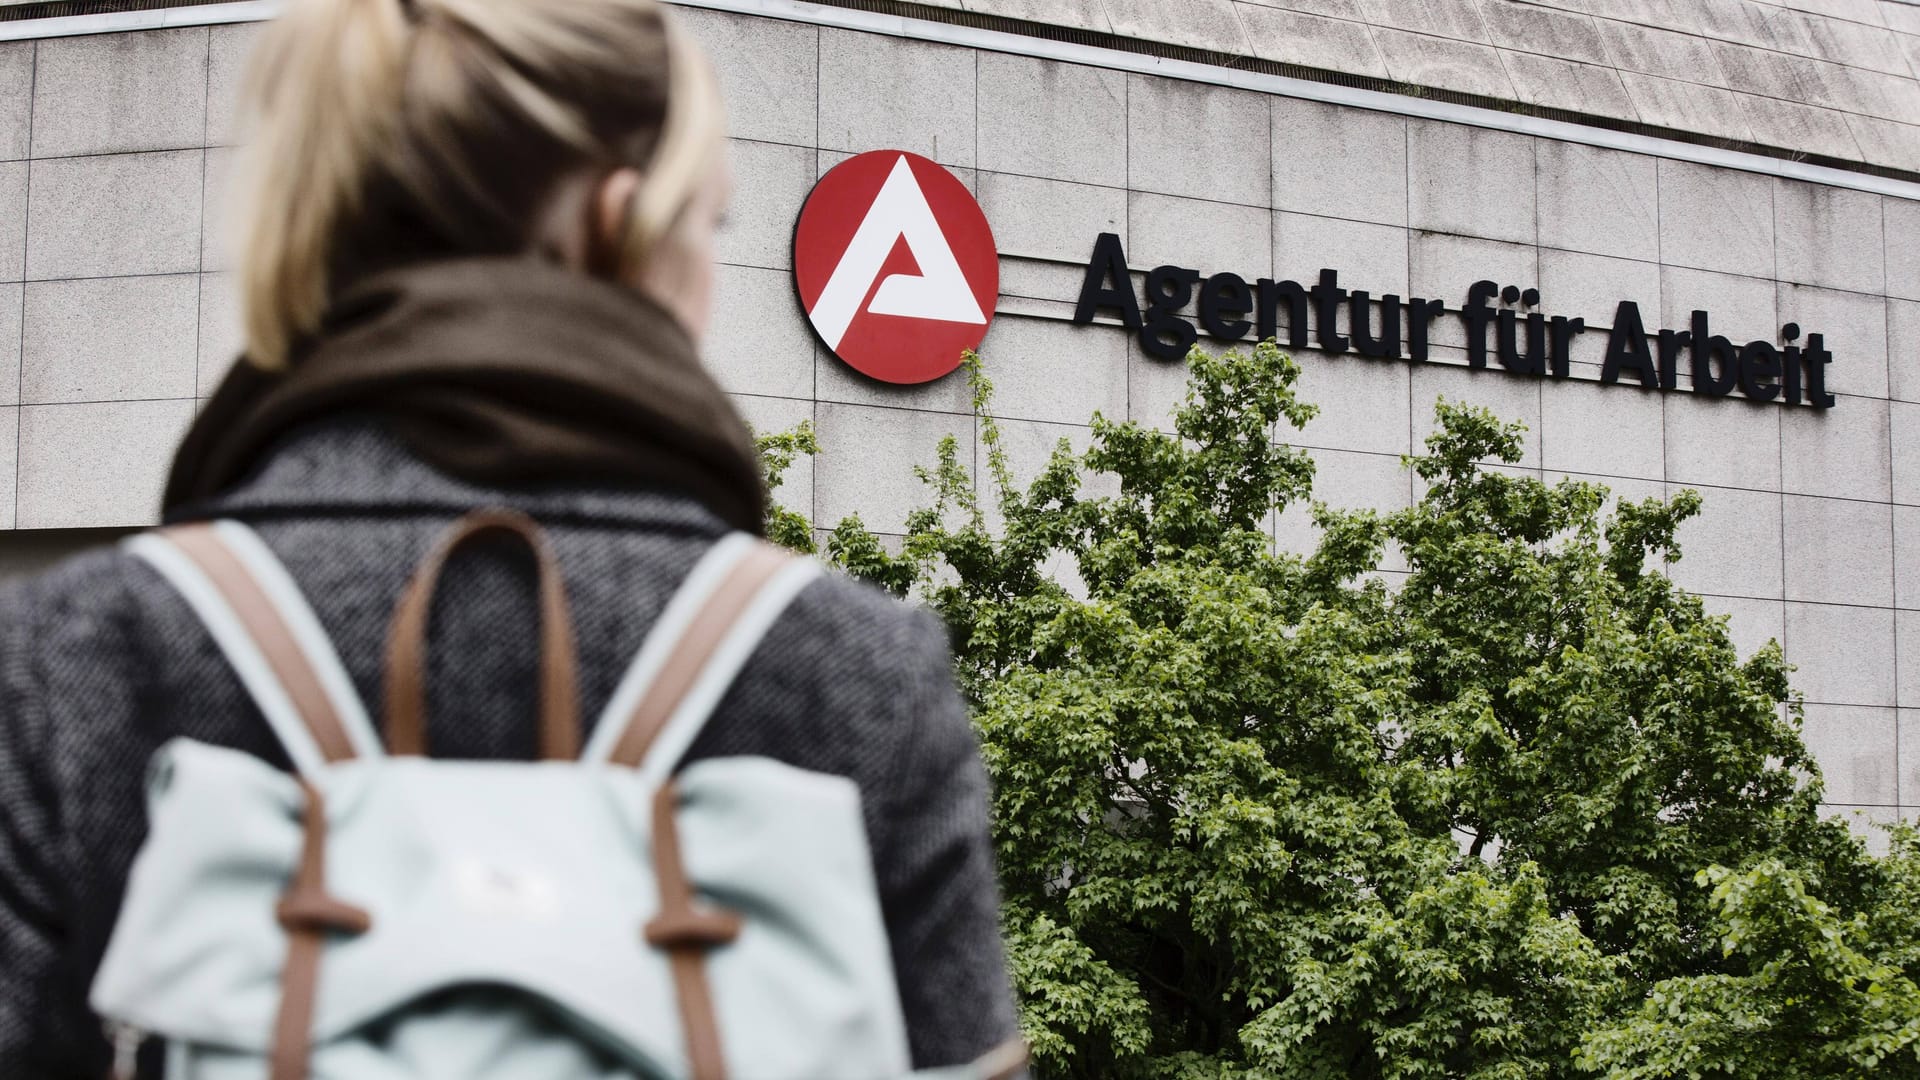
pixel 896 266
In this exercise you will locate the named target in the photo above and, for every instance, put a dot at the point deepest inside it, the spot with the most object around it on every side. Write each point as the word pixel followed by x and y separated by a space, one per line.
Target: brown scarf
pixel 504 372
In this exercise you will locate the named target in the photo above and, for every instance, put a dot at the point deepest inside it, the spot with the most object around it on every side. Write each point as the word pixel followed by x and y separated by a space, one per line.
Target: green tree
pixel 1260 814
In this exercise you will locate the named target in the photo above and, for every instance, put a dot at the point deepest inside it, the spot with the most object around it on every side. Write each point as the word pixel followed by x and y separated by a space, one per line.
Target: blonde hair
pixel 381 132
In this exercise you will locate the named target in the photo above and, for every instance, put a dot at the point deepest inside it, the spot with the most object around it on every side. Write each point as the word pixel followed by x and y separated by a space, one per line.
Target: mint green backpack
pixel 601 914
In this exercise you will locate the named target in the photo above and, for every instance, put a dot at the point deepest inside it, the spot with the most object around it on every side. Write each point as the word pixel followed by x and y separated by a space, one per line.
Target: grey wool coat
pixel 101 662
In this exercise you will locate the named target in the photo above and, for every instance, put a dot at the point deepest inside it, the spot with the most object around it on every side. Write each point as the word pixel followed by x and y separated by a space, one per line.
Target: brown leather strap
pixel 406 645
pixel 307 913
pixel 270 634
pixel 687 934
pixel 695 647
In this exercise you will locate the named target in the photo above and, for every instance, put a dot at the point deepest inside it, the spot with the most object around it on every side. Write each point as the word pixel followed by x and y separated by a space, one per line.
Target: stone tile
pixel 771 184
pixel 1591 287
pixel 1804 129
pixel 1155 388
pixel 1206 236
pixel 1461 66
pixel 96 465
pixel 1204 142
pixel 1908 733
pixel 834 380
pixel 1838 551
pixel 1368 256
pixel 1741 309
pixel 1604 430
pixel 1340 162
pixel 759 341
pixel 1548 32
pixel 1686 106
pixel 1654 51
pixel 222 338
pixel 1347 481
pixel 879 92
pixel 1858 753
pixel 769 70
pixel 1442 267
pixel 1846 42
pixel 13 220
pixel 867 458
pixel 1902 222
pixel 772 416
pixel 1055 371
pixel 1828 236
pixel 1081 14
pixel 110 339
pixel 1909 660
pixel 1050 219
pixel 1885 142
pixel 12 303
pixel 1906 558
pixel 1470 181
pixel 1296 37
pixel 1510 397
pixel 1028 447
pixel 227 53
pixel 1750 623
pixel 1855 328
pixel 16 98
pixel 1456 21
pixel 1197 24
pixel 1043 118
pixel 113 93
pixel 1842 451
pixel 1732 547
pixel 1364 405
pixel 123 214
pixel 1557 83
pixel 1725 442
pixel 1844 654
pixel 218 221
pixel 1903 349
pixel 1037 279
pixel 1599 201
pixel 1716 219
pixel 1867 824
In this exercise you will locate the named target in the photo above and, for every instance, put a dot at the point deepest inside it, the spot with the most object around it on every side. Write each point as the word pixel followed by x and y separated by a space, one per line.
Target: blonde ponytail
pixel 378 131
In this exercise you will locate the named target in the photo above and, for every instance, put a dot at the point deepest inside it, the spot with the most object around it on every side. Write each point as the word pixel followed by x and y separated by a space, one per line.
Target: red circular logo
pixel 896 266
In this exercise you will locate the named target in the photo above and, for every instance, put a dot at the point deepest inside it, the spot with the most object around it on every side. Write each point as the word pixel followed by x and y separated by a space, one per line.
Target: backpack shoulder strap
pixel 268 632
pixel 703 638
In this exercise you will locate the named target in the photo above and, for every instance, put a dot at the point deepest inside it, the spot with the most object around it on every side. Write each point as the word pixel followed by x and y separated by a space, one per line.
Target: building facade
pixel 1622 163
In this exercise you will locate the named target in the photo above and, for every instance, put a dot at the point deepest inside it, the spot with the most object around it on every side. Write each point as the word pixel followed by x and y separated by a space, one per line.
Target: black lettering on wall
pixel 1759 367
pixel 1671 342
pixel 1563 330
pixel 1164 333
pixel 1327 298
pixel 1360 319
pixel 1108 264
pixel 1627 348
pixel 1223 299
pixel 1476 314
pixel 1272 293
pixel 1817 358
pixel 1420 313
pixel 1710 351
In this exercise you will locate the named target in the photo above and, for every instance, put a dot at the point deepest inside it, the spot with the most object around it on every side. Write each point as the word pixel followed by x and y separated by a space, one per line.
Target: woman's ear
pixel 609 223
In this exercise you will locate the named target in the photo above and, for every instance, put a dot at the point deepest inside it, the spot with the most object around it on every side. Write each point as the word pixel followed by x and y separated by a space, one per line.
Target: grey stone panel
pixel 1028 447
pixel 1457 21
pixel 968 178
pixel 1155 387
pixel 1905 423
pixel 1345 480
pixel 1845 42
pixel 1567 84
pixel 1470 181
pixel 1906 559
pixel 1050 219
pixel 1296 37
pixel 120 214
pixel 1203 142
pixel 1035 279
pixel 1829 236
pixel 16 98
pixel 773 415
pixel 1838 551
pixel 1510 398
pixel 771 183
pixel 1886 142
pixel 834 380
pixel 1857 749
pixel 1367 256
pixel 1605 430
pixel 1764 72
pixel 1750 623
pixel 1055 372
pixel 1199 24
pixel 880 92
pixel 110 339
pixel 1599 201
pixel 1909 658
pixel 228 50
pixel 113 93
pixel 1442 267
pixel 1807 129
pixel 1854 326
pixel 1654 51
pixel 1716 219
pixel 1546 31
pixel 1908 734
pixel 1686 106
pixel 98 464
pixel 12 305
pixel 1467 67
pixel 1733 546
pixel 1740 308
pixel 1722 442
pixel 1842 451
pixel 1061 121
pixel 769 71
pixel 1903 349
pixel 218 209
pixel 1592 286
pixel 759 341
pixel 1337 162
pixel 1901 218
pixel 867 460
pixel 1204 236
pixel 222 338
pixel 1365 405
pixel 1083 14
pixel 13 220
pixel 1845 655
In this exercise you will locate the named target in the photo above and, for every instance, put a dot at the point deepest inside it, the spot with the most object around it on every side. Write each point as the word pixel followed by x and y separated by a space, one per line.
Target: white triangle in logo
pixel 939 292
